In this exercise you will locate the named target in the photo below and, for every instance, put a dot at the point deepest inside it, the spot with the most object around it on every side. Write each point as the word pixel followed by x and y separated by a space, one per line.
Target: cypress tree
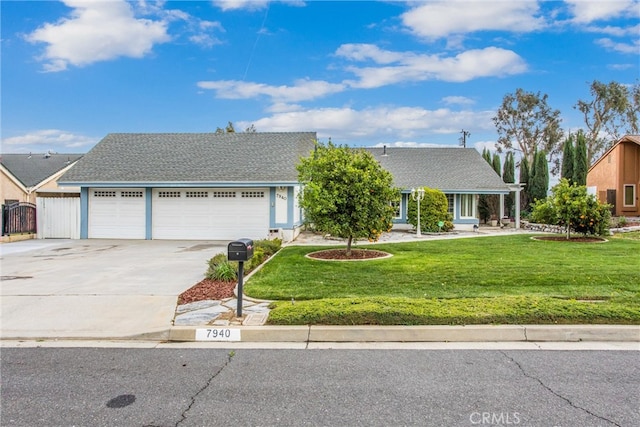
pixel 568 159
pixel 524 179
pixel 539 177
pixel 508 176
pixel 486 154
pixel 581 164
pixel 495 163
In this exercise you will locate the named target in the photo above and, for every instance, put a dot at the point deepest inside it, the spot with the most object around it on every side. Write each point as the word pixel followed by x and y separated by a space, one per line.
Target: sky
pixel 361 73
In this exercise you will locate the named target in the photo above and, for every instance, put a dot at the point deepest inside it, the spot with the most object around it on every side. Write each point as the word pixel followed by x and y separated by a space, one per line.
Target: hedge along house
pixel 201 186
pixel 461 173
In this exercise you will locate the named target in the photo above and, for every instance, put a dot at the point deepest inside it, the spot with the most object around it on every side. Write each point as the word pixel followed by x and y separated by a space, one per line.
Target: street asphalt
pixel 128 289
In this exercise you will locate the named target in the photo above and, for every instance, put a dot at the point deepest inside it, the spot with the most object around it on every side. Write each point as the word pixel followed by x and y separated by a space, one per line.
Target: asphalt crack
pixel 550 390
pixel 183 416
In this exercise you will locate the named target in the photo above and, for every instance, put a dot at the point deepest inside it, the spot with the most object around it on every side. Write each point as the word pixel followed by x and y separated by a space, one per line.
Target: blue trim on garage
pixel 148 210
pixel 84 213
pixel 272 207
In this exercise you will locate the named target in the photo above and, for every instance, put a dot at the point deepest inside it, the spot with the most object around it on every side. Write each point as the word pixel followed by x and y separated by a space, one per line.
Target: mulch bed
pixel 207 289
pixel 577 239
pixel 341 254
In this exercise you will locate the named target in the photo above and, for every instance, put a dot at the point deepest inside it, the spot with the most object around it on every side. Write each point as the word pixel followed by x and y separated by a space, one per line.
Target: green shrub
pixel 258 258
pixel 433 209
pixel 226 270
pixel 221 269
pixel 269 247
pixel 570 206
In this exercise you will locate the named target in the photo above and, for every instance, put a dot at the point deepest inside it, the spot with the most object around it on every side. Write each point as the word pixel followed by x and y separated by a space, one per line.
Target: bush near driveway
pixel 468 270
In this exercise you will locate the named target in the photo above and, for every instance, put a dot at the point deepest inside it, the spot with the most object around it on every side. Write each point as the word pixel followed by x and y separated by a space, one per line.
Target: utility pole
pixel 463 139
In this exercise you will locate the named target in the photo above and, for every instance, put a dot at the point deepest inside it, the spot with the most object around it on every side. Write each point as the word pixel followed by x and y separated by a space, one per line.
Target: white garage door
pixel 117 213
pixel 210 214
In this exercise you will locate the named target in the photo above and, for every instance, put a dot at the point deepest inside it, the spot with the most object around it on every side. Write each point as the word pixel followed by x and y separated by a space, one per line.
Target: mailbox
pixel 240 250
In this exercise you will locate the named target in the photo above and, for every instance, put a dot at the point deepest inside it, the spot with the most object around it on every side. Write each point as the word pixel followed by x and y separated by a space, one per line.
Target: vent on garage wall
pixel 253 194
pixel 197 194
pixel 104 194
pixel 168 194
pixel 224 194
pixel 131 194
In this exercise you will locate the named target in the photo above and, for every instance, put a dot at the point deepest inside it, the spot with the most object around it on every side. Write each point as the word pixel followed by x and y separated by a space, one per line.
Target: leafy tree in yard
pixel 568 159
pixel 433 209
pixel 346 193
pixel 611 113
pixel 580 164
pixel 570 206
pixel 526 122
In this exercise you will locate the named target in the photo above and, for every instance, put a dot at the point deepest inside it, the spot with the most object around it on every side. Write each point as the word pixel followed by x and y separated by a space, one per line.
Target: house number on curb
pixel 218 334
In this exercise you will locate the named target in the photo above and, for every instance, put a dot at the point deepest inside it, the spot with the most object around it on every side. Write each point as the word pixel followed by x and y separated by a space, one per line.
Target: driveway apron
pixel 97 288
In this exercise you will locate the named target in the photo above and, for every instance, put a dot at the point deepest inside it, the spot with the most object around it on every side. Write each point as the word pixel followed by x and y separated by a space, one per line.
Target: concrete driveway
pixel 97 288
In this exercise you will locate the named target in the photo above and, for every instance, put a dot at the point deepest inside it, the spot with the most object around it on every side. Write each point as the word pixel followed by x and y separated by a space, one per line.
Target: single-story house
pixel 226 186
pixel 25 175
pixel 461 173
pixel 615 177
pixel 203 186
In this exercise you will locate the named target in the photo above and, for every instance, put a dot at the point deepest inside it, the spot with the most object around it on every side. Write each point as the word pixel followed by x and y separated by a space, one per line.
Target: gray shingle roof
pixel 455 170
pixel 193 158
pixel 32 169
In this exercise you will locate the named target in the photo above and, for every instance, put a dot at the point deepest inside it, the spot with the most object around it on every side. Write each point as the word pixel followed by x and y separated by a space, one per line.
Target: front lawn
pixel 504 279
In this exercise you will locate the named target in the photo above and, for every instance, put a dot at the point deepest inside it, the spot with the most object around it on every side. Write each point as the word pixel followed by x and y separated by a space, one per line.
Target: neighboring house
pixel 33 201
pixel 461 173
pixel 25 175
pixel 615 177
pixel 191 186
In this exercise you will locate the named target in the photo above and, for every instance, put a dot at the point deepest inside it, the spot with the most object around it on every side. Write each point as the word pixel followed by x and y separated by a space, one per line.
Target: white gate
pixel 58 217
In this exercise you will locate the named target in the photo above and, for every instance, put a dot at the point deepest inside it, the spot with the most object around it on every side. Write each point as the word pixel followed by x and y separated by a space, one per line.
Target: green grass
pixel 476 280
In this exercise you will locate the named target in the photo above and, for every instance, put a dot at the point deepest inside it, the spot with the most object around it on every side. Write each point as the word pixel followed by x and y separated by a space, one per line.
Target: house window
pixel 450 204
pixel 398 209
pixel 629 195
pixel 467 206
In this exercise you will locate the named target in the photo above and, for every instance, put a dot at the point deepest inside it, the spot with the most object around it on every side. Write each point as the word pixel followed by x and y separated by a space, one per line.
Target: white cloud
pixel 241 4
pixel 632 48
pixel 375 124
pixel 302 90
pixel 458 100
pixel 615 31
pixel 586 11
pixel 251 5
pixel 465 66
pixel 444 18
pixel 97 31
pixel 54 139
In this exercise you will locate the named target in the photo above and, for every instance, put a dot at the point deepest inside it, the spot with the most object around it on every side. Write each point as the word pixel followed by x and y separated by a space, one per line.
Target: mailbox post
pixel 240 250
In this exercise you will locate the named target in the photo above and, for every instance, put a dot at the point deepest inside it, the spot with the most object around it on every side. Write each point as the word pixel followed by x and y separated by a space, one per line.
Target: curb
pixel 470 333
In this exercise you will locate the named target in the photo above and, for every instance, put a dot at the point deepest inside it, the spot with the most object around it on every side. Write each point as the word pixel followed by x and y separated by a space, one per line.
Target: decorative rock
pixel 194 319
pixel 197 305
